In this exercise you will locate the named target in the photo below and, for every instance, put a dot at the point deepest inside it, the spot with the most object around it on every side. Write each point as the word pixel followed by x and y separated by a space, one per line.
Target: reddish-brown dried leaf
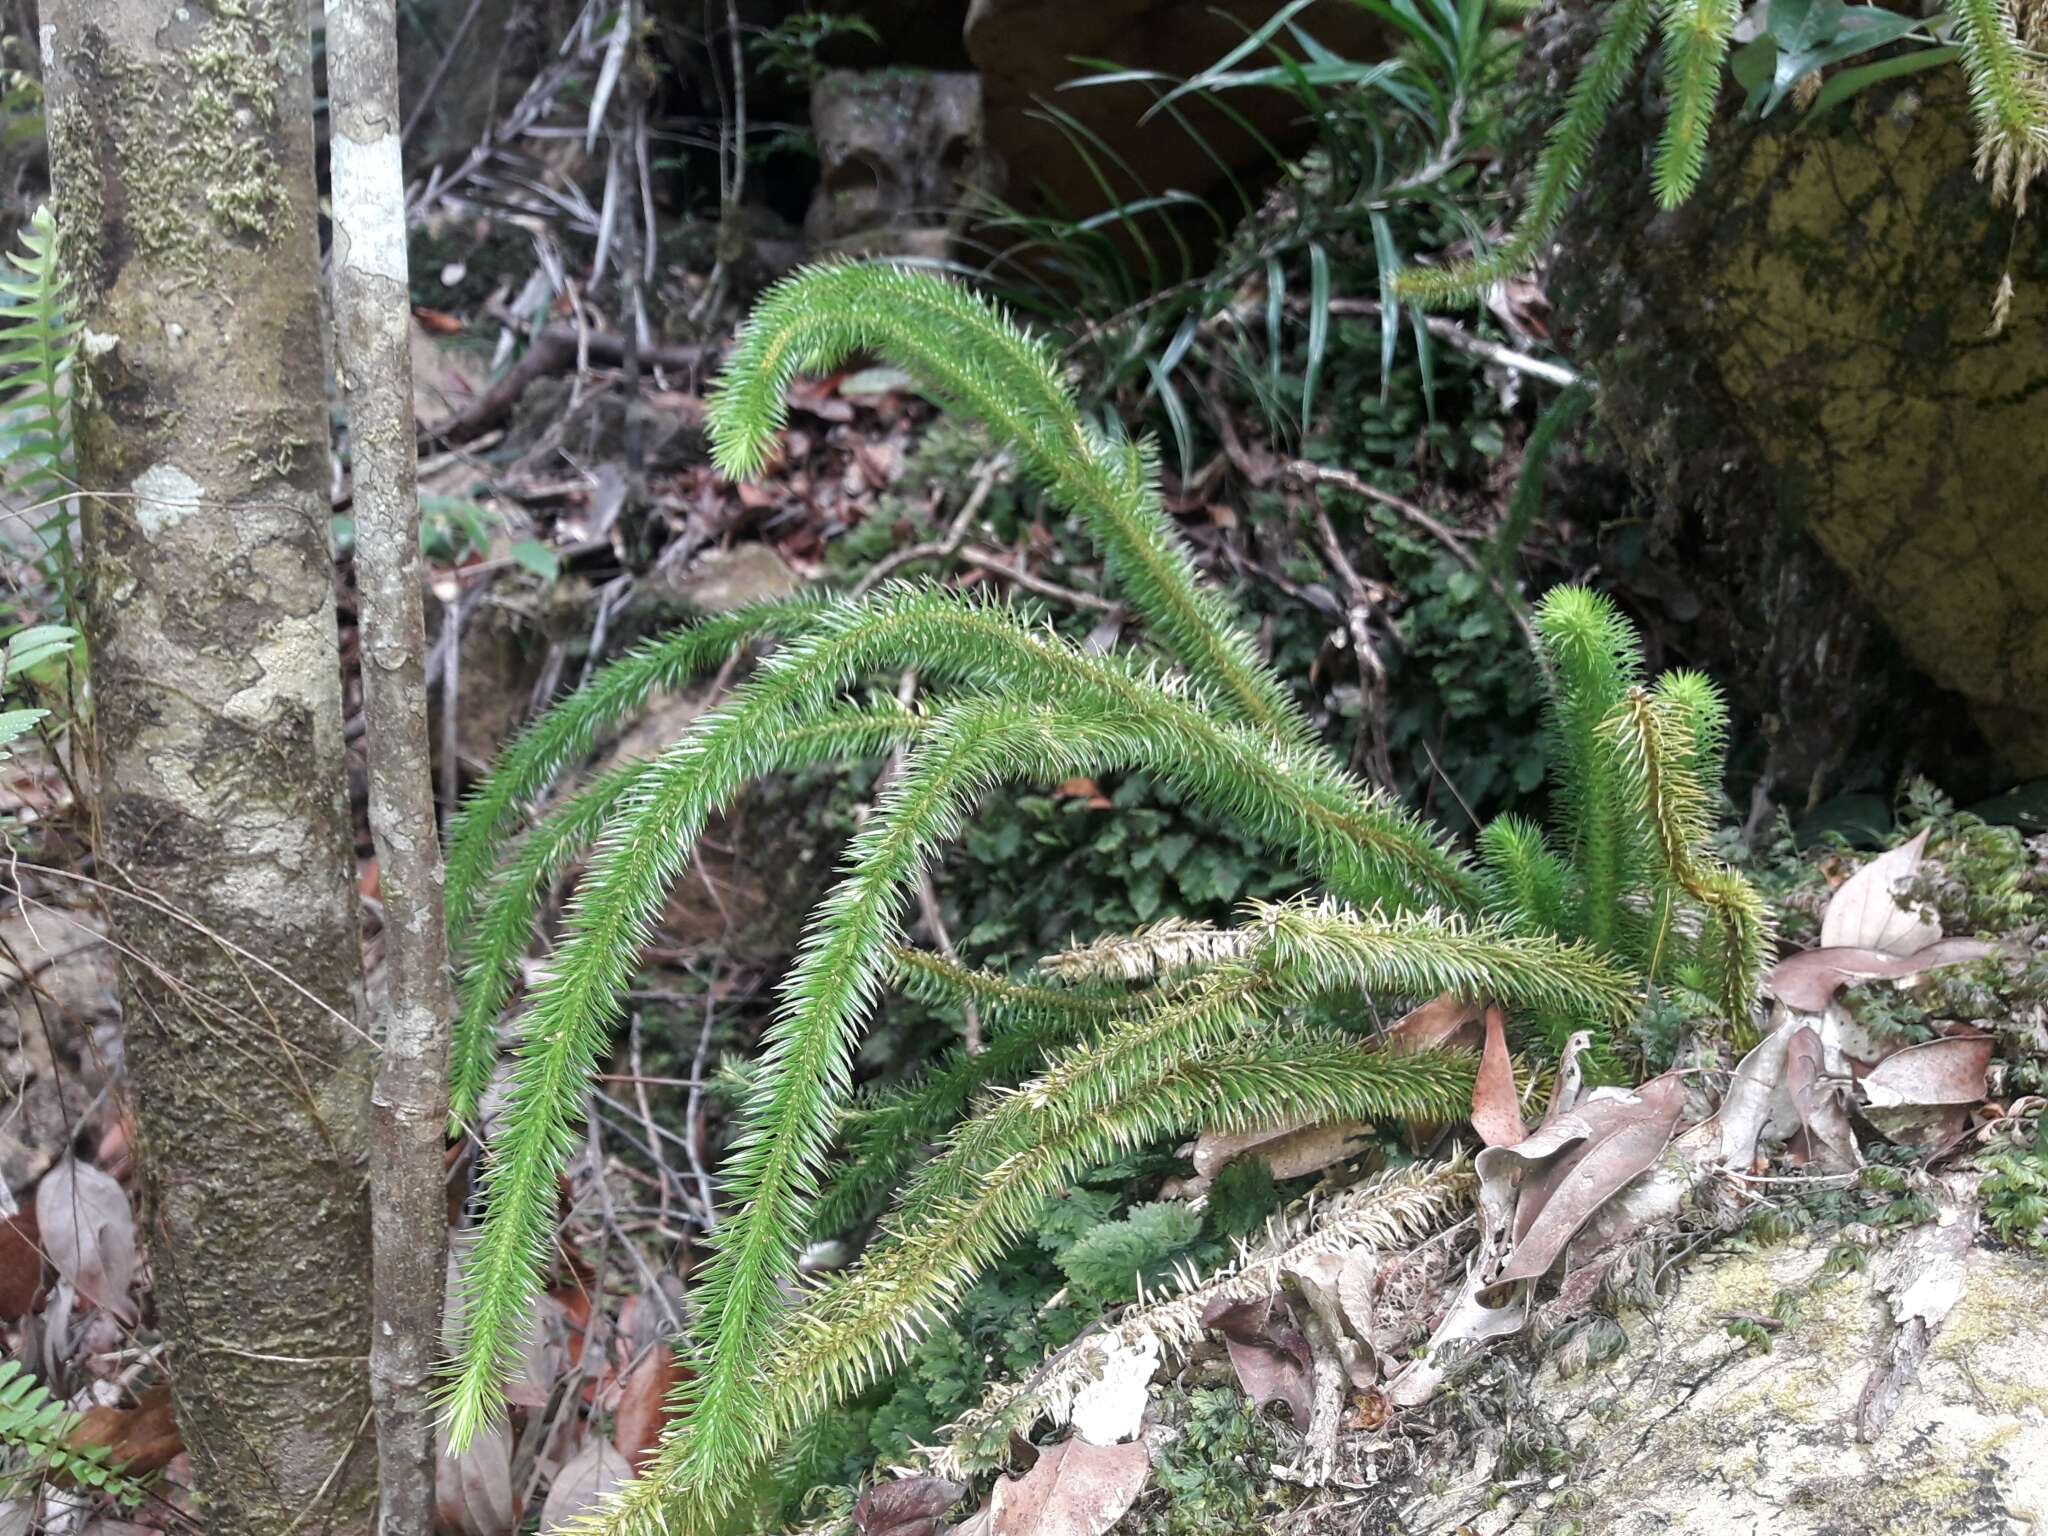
pixel 1634 1132
pixel 21 1265
pixel 1074 1489
pixel 1269 1354
pixel 1826 1140
pixel 1289 1151
pixel 1949 1071
pixel 142 1439
pixel 643 1405
pixel 1496 1107
pixel 910 1506
pixel 1809 980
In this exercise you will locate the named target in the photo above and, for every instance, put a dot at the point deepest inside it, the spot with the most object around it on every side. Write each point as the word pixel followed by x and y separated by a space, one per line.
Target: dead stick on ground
pixel 409 1100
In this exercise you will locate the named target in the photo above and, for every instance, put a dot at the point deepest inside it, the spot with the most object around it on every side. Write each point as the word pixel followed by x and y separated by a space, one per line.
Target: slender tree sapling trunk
pixel 409 1105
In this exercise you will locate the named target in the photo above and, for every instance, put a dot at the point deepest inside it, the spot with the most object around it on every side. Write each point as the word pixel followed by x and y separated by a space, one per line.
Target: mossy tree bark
pixel 182 159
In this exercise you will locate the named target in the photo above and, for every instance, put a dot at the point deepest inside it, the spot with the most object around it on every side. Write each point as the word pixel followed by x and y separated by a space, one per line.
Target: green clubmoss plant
pixel 1107 1048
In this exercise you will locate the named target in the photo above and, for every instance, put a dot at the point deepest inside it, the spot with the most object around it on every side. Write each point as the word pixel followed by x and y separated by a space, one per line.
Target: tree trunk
pixel 182 157
pixel 409 1108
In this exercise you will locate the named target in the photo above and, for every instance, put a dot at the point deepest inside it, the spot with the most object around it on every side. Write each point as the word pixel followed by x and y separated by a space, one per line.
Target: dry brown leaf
pixel 1826 1139
pixel 1949 1071
pixel 1290 1150
pixel 1922 1096
pixel 1439 1024
pixel 1866 913
pixel 1268 1353
pixel 473 1492
pixel 1809 980
pixel 1073 1489
pixel 579 1485
pixel 643 1405
pixel 910 1506
pixel 1624 1137
pixel 89 1234
pixel 1496 1107
pixel 544 1355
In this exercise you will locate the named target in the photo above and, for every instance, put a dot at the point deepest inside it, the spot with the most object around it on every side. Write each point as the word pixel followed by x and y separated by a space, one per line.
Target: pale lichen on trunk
pixel 182 154
pixel 410 1103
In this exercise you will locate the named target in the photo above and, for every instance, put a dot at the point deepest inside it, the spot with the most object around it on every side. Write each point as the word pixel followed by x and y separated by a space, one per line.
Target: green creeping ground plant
pixel 35 1434
pixel 2008 98
pixel 1104 1049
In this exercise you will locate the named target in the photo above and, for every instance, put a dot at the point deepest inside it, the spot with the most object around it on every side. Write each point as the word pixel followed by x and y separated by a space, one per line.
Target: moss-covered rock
pixel 1801 351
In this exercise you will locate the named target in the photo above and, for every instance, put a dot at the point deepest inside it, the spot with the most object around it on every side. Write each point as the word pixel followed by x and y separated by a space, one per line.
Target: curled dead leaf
pixel 1560 1192
pixel 1496 1107
pixel 1442 1023
pixel 578 1487
pixel 1825 1140
pixel 1267 1351
pixel 1289 1150
pixel 643 1405
pixel 473 1492
pixel 1809 980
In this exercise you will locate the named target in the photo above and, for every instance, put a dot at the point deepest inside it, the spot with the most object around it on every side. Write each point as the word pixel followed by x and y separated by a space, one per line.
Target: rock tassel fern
pixel 1115 1046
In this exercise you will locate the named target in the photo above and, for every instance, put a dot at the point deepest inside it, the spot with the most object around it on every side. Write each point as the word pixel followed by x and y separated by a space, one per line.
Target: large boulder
pixel 1027 50
pixel 1801 353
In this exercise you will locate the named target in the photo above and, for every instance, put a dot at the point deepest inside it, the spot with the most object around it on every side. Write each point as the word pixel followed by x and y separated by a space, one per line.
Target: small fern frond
pixel 2008 95
pixel 1696 34
pixel 1656 738
pixel 1565 156
pixel 38 347
pixel 966 352
pixel 38 1430
pixel 571 729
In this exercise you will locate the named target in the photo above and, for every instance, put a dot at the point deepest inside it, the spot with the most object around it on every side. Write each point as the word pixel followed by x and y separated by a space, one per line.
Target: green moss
pixel 75 198
pixel 211 115
pixel 1213 1477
